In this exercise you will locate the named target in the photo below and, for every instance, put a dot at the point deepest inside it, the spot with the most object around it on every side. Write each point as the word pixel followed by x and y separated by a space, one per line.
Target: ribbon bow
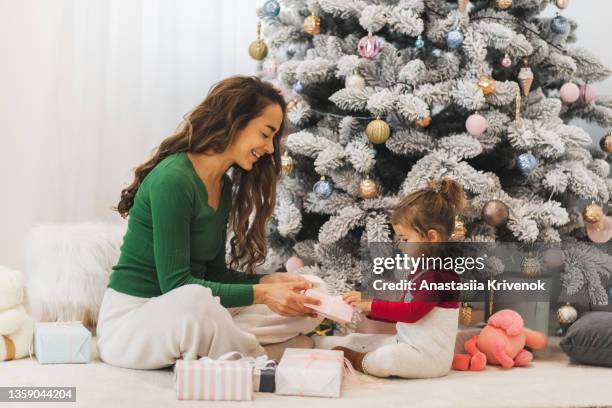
pixel 258 363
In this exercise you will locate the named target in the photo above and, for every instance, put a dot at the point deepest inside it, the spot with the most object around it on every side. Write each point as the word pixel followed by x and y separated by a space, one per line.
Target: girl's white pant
pixel 188 322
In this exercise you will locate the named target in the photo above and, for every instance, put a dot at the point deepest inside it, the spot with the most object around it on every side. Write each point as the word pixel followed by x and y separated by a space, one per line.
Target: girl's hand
pixel 285 298
pixel 279 277
pixel 352 298
pixel 364 307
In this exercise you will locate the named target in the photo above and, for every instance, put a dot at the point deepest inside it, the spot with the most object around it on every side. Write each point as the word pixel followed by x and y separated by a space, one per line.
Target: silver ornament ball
pixel 454 39
pixel 559 25
pixel 323 188
pixel 527 163
pixel 271 8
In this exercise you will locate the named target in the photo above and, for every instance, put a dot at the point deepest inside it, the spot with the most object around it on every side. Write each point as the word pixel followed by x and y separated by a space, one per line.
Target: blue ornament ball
pixel 527 163
pixel 298 87
pixel 560 25
pixel 436 52
pixel 454 39
pixel 271 8
pixel 609 292
pixel 419 43
pixel 323 188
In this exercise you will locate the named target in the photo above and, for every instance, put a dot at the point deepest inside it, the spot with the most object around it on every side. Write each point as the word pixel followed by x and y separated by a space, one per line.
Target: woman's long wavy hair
pixel 211 127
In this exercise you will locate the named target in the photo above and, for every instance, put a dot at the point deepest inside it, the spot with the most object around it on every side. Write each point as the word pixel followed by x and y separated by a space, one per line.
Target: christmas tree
pixel 385 96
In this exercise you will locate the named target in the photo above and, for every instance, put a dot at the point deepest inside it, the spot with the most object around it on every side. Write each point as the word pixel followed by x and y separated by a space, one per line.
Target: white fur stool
pixel 67 269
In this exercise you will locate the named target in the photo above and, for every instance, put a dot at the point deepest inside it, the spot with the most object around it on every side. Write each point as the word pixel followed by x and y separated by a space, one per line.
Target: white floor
pixel 551 381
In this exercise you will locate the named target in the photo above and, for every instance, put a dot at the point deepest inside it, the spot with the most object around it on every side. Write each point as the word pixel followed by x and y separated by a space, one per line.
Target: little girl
pixel 426 329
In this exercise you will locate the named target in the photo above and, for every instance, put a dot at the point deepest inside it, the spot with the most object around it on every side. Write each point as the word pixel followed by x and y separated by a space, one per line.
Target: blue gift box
pixel 62 342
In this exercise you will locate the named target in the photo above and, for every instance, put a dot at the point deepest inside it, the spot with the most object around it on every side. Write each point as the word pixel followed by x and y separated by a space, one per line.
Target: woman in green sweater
pixel 171 294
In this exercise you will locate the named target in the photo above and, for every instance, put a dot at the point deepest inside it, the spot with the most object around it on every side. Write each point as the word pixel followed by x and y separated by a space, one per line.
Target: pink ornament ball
pixel 570 92
pixel 506 62
pixel 269 68
pixel 588 94
pixel 369 46
pixel 293 264
pixel 600 232
pixel 476 124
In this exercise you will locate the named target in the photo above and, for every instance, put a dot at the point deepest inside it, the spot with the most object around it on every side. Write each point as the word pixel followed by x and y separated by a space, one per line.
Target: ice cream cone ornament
pixel 525 77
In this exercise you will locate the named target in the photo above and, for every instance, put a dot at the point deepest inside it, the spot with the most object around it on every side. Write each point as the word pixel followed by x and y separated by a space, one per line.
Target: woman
pixel 171 295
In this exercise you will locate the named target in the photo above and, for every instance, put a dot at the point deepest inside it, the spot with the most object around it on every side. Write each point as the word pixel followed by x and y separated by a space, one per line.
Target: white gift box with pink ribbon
pixel 227 378
pixel 332 307
pixel 62 342
pixel 310 372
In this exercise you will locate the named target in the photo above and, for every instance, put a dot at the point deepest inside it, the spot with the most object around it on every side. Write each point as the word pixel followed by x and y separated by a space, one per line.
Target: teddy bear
pixel 16 327
pixel 501 342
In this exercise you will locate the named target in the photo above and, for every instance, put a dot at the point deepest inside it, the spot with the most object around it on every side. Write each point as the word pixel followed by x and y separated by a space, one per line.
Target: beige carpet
pixel 551 381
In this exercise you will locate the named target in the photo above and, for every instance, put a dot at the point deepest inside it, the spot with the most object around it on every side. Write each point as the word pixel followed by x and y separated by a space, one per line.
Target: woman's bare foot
pixel 275 350
pixel 355 357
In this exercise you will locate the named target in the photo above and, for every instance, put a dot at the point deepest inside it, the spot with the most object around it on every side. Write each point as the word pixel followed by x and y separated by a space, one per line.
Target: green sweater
pixel 175 238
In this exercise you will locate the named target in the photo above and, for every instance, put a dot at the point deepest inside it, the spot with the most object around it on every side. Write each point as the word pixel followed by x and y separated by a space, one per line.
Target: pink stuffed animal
pixel 501 342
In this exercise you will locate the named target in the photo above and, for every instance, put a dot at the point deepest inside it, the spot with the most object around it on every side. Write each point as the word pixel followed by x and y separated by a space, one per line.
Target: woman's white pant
pixel 188 322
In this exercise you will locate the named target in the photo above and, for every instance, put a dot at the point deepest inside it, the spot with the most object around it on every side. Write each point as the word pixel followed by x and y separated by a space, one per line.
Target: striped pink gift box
pixel 213 380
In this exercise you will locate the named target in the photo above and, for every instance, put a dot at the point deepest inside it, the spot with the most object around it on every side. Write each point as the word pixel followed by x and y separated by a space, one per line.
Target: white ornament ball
pixel 566 314
pixel 570 92
pixel 476 124
pixel 354 81
pixel 588 94
pixel 293 264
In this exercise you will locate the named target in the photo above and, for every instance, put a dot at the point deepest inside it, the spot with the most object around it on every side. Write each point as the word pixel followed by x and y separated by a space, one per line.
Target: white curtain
pixel 90 87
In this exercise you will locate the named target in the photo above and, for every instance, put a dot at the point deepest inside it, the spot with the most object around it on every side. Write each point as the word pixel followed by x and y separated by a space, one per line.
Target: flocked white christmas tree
pixel 468 91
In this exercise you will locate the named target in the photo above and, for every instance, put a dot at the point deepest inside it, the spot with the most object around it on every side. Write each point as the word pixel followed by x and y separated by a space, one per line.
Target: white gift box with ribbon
pixel 62 342
pixel 227 378
pixel 310 372
pixel 332 307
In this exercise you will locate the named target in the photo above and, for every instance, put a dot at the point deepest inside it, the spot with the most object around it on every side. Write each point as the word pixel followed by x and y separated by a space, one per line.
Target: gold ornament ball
pixel 368 188
pixel 530 266
pixel 503 4
pixel 459 231
pixel 286 164
pixel 291 105
pixel 592 213
pixel 423 122
pixel 378 131
pixel 312 25
pixel 258 50
pixel 566 314
pixel 465 315
pixel 562 4
pixel 486 84
pixel 606 143
pixel 495 213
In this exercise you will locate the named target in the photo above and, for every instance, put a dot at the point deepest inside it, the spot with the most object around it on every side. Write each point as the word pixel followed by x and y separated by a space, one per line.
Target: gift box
pixel 310 372
pixel 332 307
pixel 228 378
pixel 61 342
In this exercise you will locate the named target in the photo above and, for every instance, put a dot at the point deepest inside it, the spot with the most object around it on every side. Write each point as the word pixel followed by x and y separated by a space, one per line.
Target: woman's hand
pixel 278 277
pixel 355 299
pixel 285 298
